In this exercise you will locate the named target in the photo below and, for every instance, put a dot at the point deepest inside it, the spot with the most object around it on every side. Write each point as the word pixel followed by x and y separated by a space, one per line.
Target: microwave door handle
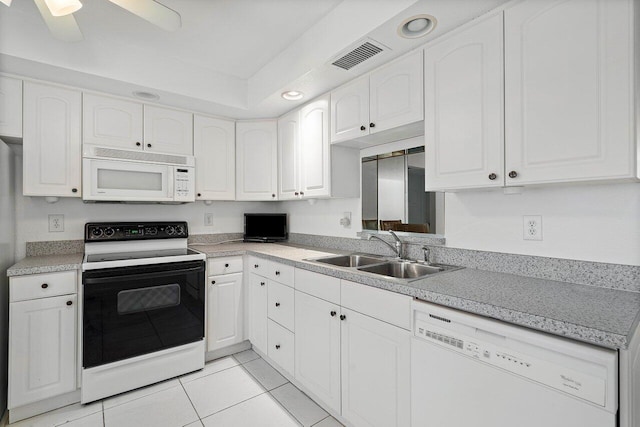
pixel 171 182
pixel 99 280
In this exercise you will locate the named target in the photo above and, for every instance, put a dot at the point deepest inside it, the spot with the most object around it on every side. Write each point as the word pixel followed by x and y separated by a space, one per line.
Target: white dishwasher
pixel 467 370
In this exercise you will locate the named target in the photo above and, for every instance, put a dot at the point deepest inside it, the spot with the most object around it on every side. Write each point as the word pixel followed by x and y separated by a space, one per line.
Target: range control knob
pixel 179 230
pixel 96 232
pixel 151 231
pixel 170 230
pixel 109 232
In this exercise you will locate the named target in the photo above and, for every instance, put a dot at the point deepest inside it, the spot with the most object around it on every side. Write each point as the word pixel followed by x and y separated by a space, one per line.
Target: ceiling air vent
pixel 358 55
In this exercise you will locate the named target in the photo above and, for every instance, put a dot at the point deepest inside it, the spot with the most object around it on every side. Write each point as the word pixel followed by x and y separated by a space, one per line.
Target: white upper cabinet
pixel 350 111
pixel 309 166
pixel 214 148
pixel 168 131
pixel 119 123
pixel 111 122
pixel 288 156
pixel 396 94
pixel 10 107
pixel 315 168
pixel 384 100
pixel 569 91
pixel 464 138
pixel 257 160
pixel 51 142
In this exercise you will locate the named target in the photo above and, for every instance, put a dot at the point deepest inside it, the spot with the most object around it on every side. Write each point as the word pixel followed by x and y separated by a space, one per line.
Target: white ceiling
pixel 231 57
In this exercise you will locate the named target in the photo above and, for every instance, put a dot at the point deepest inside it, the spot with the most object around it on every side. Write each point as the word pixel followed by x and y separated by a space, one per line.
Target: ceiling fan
pixel 58 15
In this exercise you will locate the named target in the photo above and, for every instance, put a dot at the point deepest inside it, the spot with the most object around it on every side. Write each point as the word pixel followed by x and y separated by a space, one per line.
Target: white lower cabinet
pixel 317 355
pixel 42 349
pixel 355 364
pixel 280 345
pixel 376 373
pixel 225 313
pixel 258 311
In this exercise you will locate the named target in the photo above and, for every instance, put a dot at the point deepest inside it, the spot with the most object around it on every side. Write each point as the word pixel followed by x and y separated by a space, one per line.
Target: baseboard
pixel 42 406
pixel 222 352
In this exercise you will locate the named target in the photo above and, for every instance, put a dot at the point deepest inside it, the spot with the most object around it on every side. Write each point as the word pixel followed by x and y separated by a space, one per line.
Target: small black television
pixel 265 227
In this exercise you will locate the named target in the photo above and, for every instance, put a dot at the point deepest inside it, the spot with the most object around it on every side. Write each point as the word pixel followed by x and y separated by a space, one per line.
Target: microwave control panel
pixel 184 184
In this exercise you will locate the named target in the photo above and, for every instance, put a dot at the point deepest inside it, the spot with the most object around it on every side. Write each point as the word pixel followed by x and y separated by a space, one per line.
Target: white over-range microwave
pixel 112 175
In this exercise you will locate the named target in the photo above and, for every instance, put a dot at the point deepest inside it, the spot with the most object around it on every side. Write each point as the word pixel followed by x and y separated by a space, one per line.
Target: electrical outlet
pixel 208 219
pixel 56 223
pixel 345 221
pixel 532 227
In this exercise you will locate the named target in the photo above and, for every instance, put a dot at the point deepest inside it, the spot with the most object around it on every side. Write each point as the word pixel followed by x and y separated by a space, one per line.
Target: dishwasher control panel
pixel 543 366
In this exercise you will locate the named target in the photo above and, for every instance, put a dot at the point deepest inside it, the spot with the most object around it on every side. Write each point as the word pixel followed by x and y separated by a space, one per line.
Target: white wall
pixel 7 243
pixel 33 215
pixel 585 222
pixel 323 217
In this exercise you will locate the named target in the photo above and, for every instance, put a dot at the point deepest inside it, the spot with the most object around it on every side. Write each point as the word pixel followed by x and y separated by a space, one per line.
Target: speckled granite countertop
pixel 601 316
pixel 46 264
pixel 605 317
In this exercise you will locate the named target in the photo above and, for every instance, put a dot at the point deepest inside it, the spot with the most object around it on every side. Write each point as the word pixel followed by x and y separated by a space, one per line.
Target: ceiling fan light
pixel 62 7
pixel 7 2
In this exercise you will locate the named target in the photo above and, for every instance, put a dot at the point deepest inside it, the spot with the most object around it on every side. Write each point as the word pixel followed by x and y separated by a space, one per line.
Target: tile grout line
pixel 321 420
pixel 191 402
pixel 104 422
pixel 283 406
pixel 212 373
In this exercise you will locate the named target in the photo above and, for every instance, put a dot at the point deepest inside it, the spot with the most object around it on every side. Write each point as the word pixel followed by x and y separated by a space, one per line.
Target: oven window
pixel 131 311
pixel 115 179
pixel 147 299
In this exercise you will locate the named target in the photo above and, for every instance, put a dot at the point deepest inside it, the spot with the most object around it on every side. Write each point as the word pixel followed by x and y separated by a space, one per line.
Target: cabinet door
pixel 52 151
pixel 375 372
pixel 214 148
pixel 10 107
pixel 111 122
pixel 42 349
pixel 224 311
pixel 350 111
pixel 288 156
pixel 317 355
pixel 256 160
pixel 315 172
pixel 168 131
pixel 258 312
pixel 396 94
pixel 464 139
pixel 569 91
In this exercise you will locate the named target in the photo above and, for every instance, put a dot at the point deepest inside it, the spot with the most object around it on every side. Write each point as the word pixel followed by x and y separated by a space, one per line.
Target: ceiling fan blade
pixel 63 28
pixel 156 13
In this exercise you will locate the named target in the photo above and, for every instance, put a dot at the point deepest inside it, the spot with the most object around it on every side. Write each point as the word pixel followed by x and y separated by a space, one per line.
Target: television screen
pixel 265 227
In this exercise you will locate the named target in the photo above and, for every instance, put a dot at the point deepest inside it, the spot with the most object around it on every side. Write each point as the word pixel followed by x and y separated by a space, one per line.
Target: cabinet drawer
pixel 281 273
pixel 384 305
pixel 225 265
pixel 258 266
pixel 280 304
pixel 318 285
pixel 42 285
pixel 281 344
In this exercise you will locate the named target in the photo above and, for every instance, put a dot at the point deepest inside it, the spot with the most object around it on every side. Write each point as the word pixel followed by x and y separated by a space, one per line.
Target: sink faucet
pixel 397 247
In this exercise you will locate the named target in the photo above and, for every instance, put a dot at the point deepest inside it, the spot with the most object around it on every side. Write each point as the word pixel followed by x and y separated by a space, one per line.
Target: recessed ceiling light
pixel 417 26
pixel 292 95
pixel 147 96
pixel 63 7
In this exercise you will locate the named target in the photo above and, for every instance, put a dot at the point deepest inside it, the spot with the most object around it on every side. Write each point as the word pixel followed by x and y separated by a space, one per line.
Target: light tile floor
pixel 235 391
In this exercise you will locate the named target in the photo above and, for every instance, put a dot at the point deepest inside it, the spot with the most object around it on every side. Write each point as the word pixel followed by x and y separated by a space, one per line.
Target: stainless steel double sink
pixel 397 269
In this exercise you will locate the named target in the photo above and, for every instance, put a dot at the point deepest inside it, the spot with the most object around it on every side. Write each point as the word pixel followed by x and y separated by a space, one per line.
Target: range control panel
pixel 118 231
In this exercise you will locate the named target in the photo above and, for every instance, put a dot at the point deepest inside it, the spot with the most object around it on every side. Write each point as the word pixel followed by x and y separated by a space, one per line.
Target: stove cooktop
pixel 139 255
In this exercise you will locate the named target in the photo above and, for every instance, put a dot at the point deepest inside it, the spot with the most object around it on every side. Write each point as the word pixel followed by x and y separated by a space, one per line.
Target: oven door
pixel 119 180
pixel 130 311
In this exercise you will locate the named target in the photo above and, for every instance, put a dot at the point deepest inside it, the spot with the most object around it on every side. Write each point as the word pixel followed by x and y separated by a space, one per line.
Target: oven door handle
pixel 99 280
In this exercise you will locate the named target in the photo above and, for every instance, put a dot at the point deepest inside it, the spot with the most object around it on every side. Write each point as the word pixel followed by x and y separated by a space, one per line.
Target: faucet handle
pixel 427 251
